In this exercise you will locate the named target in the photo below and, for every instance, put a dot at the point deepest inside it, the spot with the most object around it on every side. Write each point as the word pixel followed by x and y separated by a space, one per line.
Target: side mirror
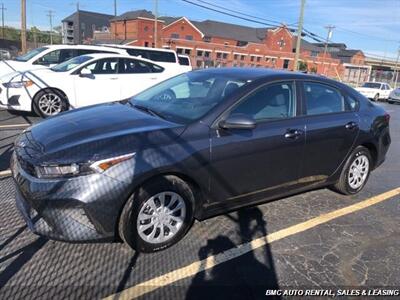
pixel 238 121
pixel 85 73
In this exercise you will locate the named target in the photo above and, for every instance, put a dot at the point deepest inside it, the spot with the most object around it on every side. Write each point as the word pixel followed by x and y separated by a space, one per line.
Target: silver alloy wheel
pixel 161 217
pixel 358 171
pixel 50 104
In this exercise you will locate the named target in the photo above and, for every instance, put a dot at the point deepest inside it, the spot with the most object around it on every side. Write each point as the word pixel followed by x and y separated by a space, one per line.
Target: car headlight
pixel 18 84
pixel 71 170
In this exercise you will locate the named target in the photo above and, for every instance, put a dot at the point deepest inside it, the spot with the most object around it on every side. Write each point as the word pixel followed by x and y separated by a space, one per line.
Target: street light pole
pixel 299 31
pixel 2 19
pixel 23 26
pixel 155 22
pixel 50 15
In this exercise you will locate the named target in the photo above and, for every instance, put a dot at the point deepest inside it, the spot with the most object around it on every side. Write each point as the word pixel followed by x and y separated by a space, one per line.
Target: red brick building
pixel 216 44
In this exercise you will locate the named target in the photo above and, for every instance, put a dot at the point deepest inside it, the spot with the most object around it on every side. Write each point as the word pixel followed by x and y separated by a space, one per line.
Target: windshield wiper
pixel 147 110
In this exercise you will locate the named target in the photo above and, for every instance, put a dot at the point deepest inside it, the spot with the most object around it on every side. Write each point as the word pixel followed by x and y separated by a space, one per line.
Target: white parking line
pixel 14 126
pixel 5 173
pixel 214 260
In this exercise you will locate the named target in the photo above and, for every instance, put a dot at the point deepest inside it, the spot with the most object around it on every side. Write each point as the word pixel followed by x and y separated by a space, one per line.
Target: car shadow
pixel 245 277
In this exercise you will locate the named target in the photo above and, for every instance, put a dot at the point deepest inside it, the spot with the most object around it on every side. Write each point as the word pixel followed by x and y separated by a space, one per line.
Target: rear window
pixel 154 55
pixel 372 85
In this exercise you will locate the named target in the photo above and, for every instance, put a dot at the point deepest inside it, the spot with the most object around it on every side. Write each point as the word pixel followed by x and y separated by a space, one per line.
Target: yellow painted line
pixel 214 260
pixel 14 126
pixel 5 173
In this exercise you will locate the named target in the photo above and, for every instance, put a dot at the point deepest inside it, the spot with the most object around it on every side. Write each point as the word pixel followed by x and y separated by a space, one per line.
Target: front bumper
pixel 394 99
pixel 84 208
pixel 16 98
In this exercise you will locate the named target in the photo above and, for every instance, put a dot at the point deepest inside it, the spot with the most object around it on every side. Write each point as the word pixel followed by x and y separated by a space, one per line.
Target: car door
pixel 332 128
pixel 102 85
pixel 136 75
pixel 251 164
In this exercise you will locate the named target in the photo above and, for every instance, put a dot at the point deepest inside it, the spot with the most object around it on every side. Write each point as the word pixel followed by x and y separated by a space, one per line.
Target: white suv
pixel 161 56
pixel 49 56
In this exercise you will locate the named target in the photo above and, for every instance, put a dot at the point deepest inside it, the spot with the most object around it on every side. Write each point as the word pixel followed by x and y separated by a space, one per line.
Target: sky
pixel 370 25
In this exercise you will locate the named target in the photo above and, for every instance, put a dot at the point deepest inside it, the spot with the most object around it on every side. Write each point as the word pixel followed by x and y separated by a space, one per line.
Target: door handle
pixel 114 78
pixel 351 125
pixel 153 78
pixel 293 133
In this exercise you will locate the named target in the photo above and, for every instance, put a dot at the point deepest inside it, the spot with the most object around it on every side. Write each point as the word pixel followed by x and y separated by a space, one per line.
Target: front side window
pixel 50 58
pixel 323 99
pixel 276 101
pixel 188 97
pixel 104 66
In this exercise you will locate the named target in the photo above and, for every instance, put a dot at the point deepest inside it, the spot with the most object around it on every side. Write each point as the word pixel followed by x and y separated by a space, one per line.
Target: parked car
pixel 49 56
pixel 163 57
pixel 184 60
pixel 5 54
pixel 375 90
pixel 394 96
pixel 81 81
pixel 194 146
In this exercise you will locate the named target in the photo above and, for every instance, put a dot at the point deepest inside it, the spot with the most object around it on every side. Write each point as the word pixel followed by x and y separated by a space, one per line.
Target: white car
pixel 49 56
pixel 394 96
pixel 161 56
pixel 375 90
pixel 81 81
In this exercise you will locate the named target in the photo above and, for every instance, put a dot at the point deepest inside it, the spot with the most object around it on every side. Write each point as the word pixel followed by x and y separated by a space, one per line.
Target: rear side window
pixel 50 58
pixel 66 54
pixel 134 66
pixel 323 99
pixel 271 102
pixel 104 66
pixel 154 55
pixel 184 61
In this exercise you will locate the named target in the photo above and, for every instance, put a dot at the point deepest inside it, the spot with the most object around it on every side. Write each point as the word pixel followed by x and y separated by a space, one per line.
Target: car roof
pixel 259 73
pixel 138 47
pixel 89 47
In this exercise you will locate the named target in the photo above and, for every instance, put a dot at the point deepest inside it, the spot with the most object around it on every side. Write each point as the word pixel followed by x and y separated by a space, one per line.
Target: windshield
pixel 187 97
pixel 71 63
pixel 30 54
pixel 372 85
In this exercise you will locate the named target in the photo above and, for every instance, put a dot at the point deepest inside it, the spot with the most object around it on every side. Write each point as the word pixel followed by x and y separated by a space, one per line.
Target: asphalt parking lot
pixel 319 239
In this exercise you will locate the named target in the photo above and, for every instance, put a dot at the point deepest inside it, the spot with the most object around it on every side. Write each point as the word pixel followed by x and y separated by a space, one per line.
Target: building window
pixel 189 37
pixel 252 58
pixel 285 63
pixel 174 36
pixel 242 57
pixel 187 51
pixel 199 52
pixel 179 50
pixel 207 54
pixel 236 56
pixel 225 55
pixel 241 43
pixel 146 44
pixel 207 39
pixel 267 59
pixel 219 54
pixel 258 58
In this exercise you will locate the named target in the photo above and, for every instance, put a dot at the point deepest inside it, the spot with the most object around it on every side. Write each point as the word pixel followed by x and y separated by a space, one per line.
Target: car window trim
pixel 227 111
pixel 341 92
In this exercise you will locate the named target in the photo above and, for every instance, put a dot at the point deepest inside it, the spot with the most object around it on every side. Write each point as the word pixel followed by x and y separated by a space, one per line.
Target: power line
pixel 366 35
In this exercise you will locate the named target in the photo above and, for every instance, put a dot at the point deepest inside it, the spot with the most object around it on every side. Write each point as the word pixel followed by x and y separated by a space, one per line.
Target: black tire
pixel 127 226
pixel 343 186
pixel 376 98
pixel 390 102
pixel 35 104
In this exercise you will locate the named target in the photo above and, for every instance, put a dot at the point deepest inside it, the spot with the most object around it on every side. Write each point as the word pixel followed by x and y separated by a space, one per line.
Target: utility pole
pixel 50 15
pixel 396 70
pixel 299 31
pixel 328 37
pixel 115 8
pixel 2 19
pixel 23 26
pixel 155 22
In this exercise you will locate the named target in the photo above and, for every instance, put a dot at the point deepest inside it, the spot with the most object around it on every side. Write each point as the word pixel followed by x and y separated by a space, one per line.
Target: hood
pixel 9 66
pixel 96 132
pixel 34 75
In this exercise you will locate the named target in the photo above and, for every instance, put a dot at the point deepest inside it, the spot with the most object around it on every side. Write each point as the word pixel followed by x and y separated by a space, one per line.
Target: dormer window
pixel 241 43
